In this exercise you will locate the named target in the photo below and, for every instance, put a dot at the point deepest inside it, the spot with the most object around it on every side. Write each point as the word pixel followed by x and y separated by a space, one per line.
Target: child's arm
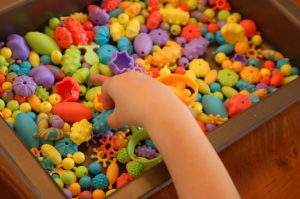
pixel 196 169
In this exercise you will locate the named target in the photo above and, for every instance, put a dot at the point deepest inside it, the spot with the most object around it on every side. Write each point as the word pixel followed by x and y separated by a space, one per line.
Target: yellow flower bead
pixel 45 107
pixel 7 85
pixel 54 99
pixel 6 113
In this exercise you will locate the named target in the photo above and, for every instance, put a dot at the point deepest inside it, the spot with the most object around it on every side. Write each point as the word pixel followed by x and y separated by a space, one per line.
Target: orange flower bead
pixel 250 74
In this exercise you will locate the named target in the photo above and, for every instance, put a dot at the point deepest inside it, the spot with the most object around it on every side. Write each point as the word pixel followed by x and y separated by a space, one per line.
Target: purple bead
pixel 210 127
pixel 135 56
pixel 121 62
pixel 181 41
pixel 143 44
pixel 24 86
pixel 43 76
pixel 98 16
pixel 221 24
pixel 68 193
pixel 262 85
pixel 146 152
pixel 195 48
pixel 86 65
pixel 17 44
pixel 159 37
pixel 56 122
pixel 184 62
pixel 144 29
pixel 241 58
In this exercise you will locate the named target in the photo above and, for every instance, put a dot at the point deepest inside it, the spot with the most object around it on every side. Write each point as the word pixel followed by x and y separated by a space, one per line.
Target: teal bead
pixel 214 106
pixel 105 53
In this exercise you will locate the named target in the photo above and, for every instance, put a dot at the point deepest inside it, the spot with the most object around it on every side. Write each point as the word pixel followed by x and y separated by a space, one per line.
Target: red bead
pixel 90 35
pixel 277 79
pixel 88 25
pixel 20 99
pixel 212 27
pixel 180 70
pixel 191 32
pixel 2 79
pixel 265 79
pixel 154 72
pixel 268 64
pixel 183 7
pixel 1 91
pixel 249 26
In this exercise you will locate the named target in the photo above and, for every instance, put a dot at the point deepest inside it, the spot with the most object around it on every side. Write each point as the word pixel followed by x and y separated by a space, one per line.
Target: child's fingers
pixel 114 121
pixel 107 101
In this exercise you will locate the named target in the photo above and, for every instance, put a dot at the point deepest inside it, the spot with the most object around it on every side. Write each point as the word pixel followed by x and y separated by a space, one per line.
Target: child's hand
pixel 135 97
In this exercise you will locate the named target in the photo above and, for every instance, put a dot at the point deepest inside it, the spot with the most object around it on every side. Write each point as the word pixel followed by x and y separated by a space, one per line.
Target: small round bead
pixel 45 107
pixel 25 107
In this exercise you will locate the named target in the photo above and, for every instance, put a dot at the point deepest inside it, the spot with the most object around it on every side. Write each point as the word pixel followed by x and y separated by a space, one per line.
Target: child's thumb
pixel 114 121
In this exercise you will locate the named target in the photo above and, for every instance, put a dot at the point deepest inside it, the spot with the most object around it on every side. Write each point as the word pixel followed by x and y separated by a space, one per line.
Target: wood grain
pixel 265 163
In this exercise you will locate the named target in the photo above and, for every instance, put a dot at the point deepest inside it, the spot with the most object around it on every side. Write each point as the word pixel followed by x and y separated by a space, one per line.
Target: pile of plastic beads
pixel 50 82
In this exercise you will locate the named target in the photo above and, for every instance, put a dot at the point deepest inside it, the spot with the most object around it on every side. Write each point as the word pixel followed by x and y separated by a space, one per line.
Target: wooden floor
pixel 266 162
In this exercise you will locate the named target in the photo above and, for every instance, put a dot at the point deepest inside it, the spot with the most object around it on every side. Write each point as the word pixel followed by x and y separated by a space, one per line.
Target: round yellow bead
pixel 25 107
pixel 286 69
pixel 265 72
pixel 256 40
pixel 54 99
pixel 164 71
pixel 123 18
pixel 7 85
pixel 34 58
pixel 45 107
pixel 6 52
pixel 78 157
pixel 68 163
pixel 3 70
pixel 220 58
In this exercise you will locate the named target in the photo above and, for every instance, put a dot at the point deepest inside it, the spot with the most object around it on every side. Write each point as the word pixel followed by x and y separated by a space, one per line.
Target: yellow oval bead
pixel 34 58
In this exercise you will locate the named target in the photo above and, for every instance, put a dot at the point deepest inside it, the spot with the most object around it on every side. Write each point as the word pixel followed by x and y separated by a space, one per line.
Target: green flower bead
pixel 135 168
pixel 123 156
pixel 42 93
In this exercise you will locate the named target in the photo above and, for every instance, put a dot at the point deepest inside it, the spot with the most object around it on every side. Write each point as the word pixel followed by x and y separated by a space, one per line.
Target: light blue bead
pixel 94 168
pixel 214 87
pixel 85 182
pixel 102 35
pixel 219 38
pixel 281 62
pixel 124 44
pixel 253 62
pixel 45 59
pixel 295 71
pixel 115 12
pixel 210 37
pixel 105 53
